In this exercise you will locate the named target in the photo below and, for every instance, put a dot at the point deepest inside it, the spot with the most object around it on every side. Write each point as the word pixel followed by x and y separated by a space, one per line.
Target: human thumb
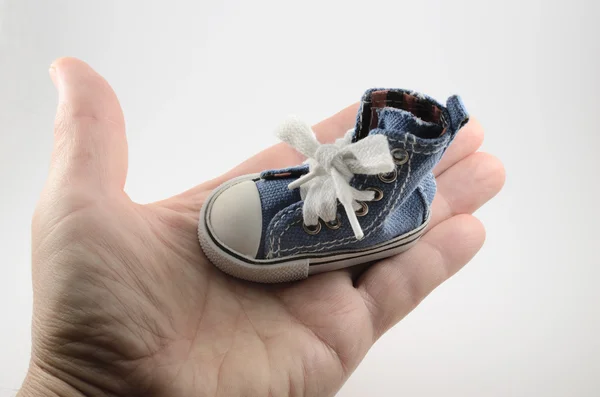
pixel 90 146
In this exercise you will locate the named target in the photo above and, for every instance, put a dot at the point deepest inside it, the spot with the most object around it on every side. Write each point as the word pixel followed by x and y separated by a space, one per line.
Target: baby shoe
pixel 365 197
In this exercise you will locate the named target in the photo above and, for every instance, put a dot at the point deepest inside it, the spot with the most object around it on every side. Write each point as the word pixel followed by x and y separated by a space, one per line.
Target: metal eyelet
pixel 334 225
pixel 364 209
pixel 390 177
pixel 378 193
pixel 400 156
pixel 313 229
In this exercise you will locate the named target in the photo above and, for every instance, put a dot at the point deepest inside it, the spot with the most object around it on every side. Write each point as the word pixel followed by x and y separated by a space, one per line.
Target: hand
pixel 126 304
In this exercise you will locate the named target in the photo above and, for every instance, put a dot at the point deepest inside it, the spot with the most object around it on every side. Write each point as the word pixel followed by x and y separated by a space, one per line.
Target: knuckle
pixel 61 122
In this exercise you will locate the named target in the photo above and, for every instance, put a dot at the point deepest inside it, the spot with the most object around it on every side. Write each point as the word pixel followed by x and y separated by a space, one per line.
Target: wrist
pixel 40 383
pixel 68 377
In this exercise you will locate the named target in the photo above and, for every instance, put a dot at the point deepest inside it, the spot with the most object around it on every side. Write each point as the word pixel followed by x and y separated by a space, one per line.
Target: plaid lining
pixel 421 108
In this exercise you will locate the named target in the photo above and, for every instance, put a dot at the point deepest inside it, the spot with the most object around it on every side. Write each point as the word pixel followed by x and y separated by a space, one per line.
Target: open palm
pixel 127 304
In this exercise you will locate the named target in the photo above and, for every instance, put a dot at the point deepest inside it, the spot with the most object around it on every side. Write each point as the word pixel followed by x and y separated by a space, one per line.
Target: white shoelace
pixel 331 167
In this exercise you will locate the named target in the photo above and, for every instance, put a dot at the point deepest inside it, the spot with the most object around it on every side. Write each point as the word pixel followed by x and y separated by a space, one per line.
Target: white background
pixel 203 84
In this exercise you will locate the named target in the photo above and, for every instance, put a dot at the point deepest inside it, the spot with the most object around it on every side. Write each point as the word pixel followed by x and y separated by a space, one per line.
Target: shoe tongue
pixel 398 111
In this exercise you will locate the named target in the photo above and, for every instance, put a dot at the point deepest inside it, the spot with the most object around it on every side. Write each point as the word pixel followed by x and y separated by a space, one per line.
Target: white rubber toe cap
pixel 236 218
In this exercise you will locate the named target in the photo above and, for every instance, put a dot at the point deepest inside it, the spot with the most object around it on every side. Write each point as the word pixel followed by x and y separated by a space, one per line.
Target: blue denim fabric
pixel 406 201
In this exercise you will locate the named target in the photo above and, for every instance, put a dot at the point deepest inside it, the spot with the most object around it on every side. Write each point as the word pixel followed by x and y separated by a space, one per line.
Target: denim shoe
pixel 365 197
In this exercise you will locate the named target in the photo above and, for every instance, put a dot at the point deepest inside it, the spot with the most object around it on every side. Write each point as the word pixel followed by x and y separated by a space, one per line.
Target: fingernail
pixel 53 77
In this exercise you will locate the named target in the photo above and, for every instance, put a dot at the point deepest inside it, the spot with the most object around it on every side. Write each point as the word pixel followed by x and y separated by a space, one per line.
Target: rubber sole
pixel 292 268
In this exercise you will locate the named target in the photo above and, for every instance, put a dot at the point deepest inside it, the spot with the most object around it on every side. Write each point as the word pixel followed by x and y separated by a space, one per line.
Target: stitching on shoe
pixel 423 198
pixel 271 238
pixel 282 233
pixel 439 149
pixel 349 239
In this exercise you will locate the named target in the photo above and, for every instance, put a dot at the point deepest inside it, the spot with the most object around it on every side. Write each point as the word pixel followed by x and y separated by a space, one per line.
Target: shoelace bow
pixel 331 167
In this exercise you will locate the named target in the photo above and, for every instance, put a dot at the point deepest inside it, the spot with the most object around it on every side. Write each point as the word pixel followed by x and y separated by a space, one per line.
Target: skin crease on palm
pixel 126 304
